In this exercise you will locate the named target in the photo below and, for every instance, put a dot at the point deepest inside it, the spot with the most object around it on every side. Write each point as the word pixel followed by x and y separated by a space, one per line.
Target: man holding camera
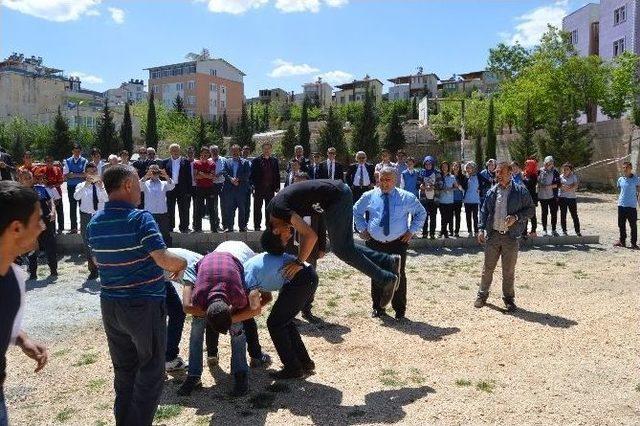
pixel 155 198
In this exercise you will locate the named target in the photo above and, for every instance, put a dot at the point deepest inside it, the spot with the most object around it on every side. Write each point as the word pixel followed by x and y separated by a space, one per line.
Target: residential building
pixel 319 93
pixel 619 27
pixel 355 91
pixel 483 81
pixel 410 86
pixel 450 85
pixel 131 91
pixel 266 96
pixel 583 25
pixel 209 86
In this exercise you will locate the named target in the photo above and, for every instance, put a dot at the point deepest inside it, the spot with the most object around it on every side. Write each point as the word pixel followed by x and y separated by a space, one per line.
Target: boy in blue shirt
pixel 629 186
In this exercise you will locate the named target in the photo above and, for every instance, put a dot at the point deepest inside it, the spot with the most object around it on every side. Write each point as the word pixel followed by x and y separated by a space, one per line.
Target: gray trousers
pixel 506 248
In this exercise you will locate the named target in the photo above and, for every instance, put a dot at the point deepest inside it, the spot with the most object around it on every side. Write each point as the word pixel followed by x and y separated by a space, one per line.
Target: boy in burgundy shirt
pixel 204 174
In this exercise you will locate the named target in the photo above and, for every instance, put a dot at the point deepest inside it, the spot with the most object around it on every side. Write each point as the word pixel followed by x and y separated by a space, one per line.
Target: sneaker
pixel 212 363
pixel 240 384
pixel 510 305
pixel 175 365
pixel 635 247
pixel 377 313
pixel 263 362
pixel 189 385
pixel 401 318
pixel 619 244
pixel 480 302
pixel 287 373
pixel 308 367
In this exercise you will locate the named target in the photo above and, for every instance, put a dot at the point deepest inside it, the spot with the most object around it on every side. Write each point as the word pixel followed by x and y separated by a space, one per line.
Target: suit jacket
pixel 288 179
pixel 257 175
pixel 184 175
pixel 324 171
pixel 314 171
pixel 6 172
pixel 243 175
pixel 351 174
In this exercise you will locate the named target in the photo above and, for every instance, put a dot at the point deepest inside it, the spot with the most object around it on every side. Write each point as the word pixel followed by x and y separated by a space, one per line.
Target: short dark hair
pixel 77 146
pixel 90 166
pixel 219 316
pixel 569 165
pixel 627 163
pixel 22 201
pixel 96 151
pixel 271 243
pixel 124 152
pixel 114 176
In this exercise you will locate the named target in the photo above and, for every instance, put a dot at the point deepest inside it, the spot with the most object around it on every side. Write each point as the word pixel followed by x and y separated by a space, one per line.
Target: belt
pixel 501 232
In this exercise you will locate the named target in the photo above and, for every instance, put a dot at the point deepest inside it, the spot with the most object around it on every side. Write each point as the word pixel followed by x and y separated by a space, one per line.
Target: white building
pixel 318 92
pixel 355 91
pixel 416 85
pixel 131 91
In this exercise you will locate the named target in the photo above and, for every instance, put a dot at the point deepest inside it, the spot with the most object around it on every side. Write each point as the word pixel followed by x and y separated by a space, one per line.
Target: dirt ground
pixel 569 355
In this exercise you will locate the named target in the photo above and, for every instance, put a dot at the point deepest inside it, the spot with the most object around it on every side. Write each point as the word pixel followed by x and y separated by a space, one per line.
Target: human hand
pixel 481 237
pixel 3 165
pixel 99 184
pixel 365 235
pixel 406 237
pixel 290 270
pixel 320 254
pixel 510 220
pixel 35 351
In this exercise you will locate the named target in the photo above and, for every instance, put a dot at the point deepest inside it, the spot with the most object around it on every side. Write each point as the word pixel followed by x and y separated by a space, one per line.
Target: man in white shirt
pixel 218 184
pixel 360 176
pixel 92 196
pixel 331 169
pixel 155 198
pixel 179 168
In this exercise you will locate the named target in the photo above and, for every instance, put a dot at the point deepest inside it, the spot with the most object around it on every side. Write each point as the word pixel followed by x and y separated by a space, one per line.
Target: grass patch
pixel 87 359
pixel 61 352
pixel 262 400
pixel 166 412
pixel 560 264
pixel 416 376
pixel 332 303
pixel 104 406
pixel 485 386
pixel 203 420
pixel 96 384
pixel 463 382
pixel 101 423
pixel 638 387
pixel 65 415
pixel 463 287
pixel 390 377
pixel 580 274
pixel 524 286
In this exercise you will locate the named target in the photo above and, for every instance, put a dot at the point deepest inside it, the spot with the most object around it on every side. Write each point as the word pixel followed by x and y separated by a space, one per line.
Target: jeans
pixel 446 219
pixel 399 301
pixel 471 214
pixel 136 332
pixel 285 335
pixel 205 202
pixel 250 330
pixel 258 200
pixel 549 206
pixel 73 207
pixel 196 341
pixel 162 220
pixel 457 213
pixel 628 214
pixel 4 417
pixel 339 221
pixel 504 247
pixel 571 204
pixel 234 198
pixel 175 324
pixel 182 199
pixel 47 243
pixel 431 207
pixel 84 221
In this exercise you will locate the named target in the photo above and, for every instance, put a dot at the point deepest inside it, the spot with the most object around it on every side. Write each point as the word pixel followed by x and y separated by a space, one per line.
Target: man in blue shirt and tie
pixel 237 172
pixel 395 215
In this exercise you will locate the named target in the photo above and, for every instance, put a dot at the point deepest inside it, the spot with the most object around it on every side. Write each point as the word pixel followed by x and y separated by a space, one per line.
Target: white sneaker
pixel 175 365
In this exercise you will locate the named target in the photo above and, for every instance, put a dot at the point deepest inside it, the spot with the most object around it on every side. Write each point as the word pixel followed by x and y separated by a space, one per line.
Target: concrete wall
pixel 581 21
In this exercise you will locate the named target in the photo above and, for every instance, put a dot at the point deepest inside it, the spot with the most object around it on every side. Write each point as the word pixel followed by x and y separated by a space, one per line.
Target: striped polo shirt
pixel 121 239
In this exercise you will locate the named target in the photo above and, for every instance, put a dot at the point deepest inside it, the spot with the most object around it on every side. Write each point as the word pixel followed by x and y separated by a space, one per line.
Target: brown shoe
pixel 480 302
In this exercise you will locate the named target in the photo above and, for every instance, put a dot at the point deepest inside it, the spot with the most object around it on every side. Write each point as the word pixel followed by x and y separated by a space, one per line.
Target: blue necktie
pixel 385 215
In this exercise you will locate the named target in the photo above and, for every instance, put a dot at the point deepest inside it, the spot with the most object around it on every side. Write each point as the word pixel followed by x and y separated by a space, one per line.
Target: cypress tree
pixel 243 134
pixel 332 135
pixel 201 136
pixel 414 108
pixel 394 138
pixel 151 132
pixel 289 141
pixel 524 147
pixel 479 158
pixel 304 133
pixel 106 131
pixel 255 126
pixel 265 120
pixel 225 124
pixel 126 130
pixel 61 142
pixel 365 135
pixel 491 131
pixel 178 105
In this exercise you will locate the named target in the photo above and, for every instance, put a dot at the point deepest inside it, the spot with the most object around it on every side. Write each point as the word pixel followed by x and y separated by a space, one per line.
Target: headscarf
pixel 431 160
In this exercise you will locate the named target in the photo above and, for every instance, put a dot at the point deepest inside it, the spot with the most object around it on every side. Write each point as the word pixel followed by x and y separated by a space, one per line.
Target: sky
pixel 276 43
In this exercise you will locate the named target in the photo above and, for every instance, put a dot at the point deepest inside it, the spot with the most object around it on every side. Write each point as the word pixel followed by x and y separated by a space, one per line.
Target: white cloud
pixel 93 12
pixel 533 24
pixel 117 15
pixel 288 69
pixel 289 6
pixel 53 10
pixel 336 3
pixel 336 77
pixel 238 7
pixel 86 78
pixel 234 7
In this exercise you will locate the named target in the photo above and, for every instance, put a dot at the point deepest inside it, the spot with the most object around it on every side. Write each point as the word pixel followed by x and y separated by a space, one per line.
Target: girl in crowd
pixel 487 178
pixel 548 183
pixel 458 195
pixel 429 180
pixel 409 178
pixel 530 180
pixel 567 198
pixel 516 173
pixel 446 200
pixel 471 198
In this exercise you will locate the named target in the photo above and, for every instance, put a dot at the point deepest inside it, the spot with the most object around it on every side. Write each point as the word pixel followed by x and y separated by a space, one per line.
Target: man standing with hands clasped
pixel 387 231
pixel 504 214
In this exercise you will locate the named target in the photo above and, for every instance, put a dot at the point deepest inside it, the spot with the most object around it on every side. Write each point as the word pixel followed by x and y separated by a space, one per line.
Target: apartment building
pixel 583 25
pixel 416 85
pixel 355 91
pixel 131 91
pixel 319 93
pixel 209 86
pixel 267 96
pixel 619 27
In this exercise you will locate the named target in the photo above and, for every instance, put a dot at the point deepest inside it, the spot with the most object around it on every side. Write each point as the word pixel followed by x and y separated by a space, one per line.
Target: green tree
pixel 61 144
pixel 394 138
pixel 635 113
pixel 243 135
pixel 479 158
pixel 225 124
pixel 151 131
pixel 106 137
pixel 202 134
pixel 289 141
pixel 566 141
pixel 332 135
pixel 365 134
pixel 178 105
pixel 255 124
pixel 622 85
pixel 506 62
pixel 304 134
pixel 265 119
pixel 524 147
pixel 491 132
pixel 126 130
pixel 414 108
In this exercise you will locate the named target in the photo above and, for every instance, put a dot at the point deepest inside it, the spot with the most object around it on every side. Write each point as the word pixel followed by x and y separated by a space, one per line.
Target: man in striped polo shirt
pixel 131 256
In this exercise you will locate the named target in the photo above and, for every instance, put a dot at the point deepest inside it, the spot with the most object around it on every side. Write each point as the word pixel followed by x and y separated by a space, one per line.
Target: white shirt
pixel 362 172
pixel 65 166
pixel 219 167
pixel 175 169
pixel 155 195
pixel 237 249
pixel 99 166
pixel 331 169
pixel 84 194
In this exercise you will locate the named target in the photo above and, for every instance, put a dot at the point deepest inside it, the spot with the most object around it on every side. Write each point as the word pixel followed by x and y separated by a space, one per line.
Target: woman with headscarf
pixel 548 184
pixel 458 196
pixel 429 180
pixel 471 198
pixel 487 178
pixel 530 181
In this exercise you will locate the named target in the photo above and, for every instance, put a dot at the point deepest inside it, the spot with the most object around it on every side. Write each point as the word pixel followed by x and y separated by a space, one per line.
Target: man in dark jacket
pixel 6 165
pixel 265 180
pixel 178 168
pixel 504 214
pixel 331 169
pixel 360 176
pixel 236 173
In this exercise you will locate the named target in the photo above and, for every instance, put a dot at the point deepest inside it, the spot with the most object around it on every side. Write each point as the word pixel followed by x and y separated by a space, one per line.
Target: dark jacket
pixel 324 171
pixel 314 171
pixel 486 180
pixel 6 172
pixel 243 175
pixel 185 181
pixel 257 175
pixel 519 203
pixel 353 169
pixel 304 165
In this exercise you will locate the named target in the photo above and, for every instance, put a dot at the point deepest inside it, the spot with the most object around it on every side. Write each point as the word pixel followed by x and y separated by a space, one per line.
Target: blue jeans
pixel 4 419
pixel 339 219
pixel 176 322
pixel 196 342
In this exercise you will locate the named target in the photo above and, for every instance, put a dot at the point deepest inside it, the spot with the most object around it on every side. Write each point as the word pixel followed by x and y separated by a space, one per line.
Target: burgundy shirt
pixel 267 173
pixel 206 166
pixel 220 276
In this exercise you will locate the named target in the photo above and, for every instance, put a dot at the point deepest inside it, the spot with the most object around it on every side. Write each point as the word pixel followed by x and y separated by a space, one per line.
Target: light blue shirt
pixel 192 258
pixel 402 204
pixel 446 197
pixel 628 191
pixel 472 194
pixel 264 271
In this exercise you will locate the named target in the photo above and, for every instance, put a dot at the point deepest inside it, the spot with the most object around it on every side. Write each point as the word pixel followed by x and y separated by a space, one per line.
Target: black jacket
pixel 304 165
pixel 351 174
pixel 323 172
pixel 256 175
pixel 5 172
pixel 185 182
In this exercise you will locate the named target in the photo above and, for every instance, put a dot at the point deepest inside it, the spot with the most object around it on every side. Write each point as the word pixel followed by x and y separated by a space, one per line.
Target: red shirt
pixel 53 175
pixel 220 276
pixel 206 166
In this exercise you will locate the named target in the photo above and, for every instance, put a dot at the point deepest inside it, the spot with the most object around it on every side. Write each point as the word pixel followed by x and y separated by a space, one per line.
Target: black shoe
pixel 263 362
pixel 432 236
pixel 510 305
pixel 189 385
pixel 634 247
pixel 33 277
pixel 480 302
pixel 565 233
pixel 400 317
pixel 287 373
pixel 578 234
pixel 377 313
pixel 53 274
pixel 307 315
pixel 308 367
pixel 240 384
pixel 555 233
pixel 243 229
pixel 93 275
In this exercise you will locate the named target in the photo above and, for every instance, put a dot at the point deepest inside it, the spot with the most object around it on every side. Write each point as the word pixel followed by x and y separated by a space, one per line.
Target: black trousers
pixel 430 222
pixel 136 332
pixel 549 206
pixel 571 205
pixel 250 331
pixel 534 219
pixel 73 207
pixel 446 218
pixel 47 243
pixel 628 214
pixel 204 202
pixel 471 214
pixel 285 335
pixel 260 198
pixel 59 213
pixel 163 223
pixel 399 301
pixel 457 213
pixel 182 199
pixel 84 221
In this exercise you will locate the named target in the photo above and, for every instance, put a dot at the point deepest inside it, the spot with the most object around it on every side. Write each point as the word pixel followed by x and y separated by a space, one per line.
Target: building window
pixel 222 104
pixel 213 72
pixel 619 15
pixel 179 86
pixel 213 87
pixel 191 85
pixel 618 47
pixel 224 89
pixel 191 69
pixel 155 88
pixel 191 100
pixel 574 37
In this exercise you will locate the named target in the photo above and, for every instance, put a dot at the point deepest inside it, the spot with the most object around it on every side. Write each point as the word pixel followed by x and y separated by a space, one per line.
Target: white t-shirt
pixel 237 249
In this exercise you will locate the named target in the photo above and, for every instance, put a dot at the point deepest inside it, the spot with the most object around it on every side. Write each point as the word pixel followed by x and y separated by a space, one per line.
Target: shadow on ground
pixel 34 284
pixel 90 286
pixel 331 332
pixel 421 329
pixel 555 321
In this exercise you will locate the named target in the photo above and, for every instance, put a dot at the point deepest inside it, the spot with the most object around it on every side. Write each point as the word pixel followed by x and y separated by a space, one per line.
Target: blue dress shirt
pixel 264 271
pixel 402 205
